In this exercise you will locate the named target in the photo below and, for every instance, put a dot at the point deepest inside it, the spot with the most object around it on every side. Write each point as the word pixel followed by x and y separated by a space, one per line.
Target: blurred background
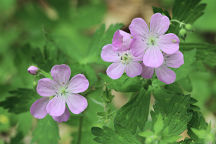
pixel 27 26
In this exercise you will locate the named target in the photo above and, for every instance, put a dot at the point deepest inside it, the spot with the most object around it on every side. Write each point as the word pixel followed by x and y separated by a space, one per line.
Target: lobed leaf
pixel 134 114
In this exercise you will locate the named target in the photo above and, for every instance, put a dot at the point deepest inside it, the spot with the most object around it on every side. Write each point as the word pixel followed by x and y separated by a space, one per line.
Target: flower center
pixel 63 91
pixel 126 58
pixel 152 41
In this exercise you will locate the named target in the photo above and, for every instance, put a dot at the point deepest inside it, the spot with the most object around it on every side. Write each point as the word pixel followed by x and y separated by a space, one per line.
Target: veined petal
pixel 76 103
pixel 153 57
pixel 61 73
pixel 138 47
pixel 121 41
pixel 147 72
pixel 109 55
pixel 138 27
pixel 46 87
pixel 169 43
pixel 79 83
pixel 175 60
pixel 64 117
pixel 159 24
pixel 165 74
pixel 115 70
pixel 133 69
pixel 38 108
pixel 56 106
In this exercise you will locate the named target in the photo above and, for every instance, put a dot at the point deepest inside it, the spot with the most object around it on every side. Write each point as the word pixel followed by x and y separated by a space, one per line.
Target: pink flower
pixel 120 54
pixel 150 43
pixel 163 73
pixel 33 70
pixel 64 91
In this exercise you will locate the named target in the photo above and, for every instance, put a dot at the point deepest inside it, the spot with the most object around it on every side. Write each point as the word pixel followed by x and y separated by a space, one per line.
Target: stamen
pixel 125 58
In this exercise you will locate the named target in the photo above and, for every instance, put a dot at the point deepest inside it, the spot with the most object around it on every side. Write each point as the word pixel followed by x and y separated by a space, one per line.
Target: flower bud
pixel 33 70
pixel 182 32
pixel 188 26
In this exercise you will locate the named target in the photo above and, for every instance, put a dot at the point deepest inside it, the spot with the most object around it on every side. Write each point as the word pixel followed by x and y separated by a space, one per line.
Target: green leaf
pixel 123 84
pixel 162 11
pixel 187 67
pixel 207 22
pixel 106 135
pixel 159 124
pixel 173 105
pixel 100 38
pixel 46 132
pixel 94 11
pixel 18 139
pixel 197 121
pixel 205 52
pixel 188 11
pixel 24 122
pixel 134 114
pixel 146 133
pixel 20 100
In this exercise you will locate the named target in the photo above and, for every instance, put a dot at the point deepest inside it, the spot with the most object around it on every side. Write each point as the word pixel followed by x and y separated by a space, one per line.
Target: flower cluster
pixel 58 92
pixel 153 47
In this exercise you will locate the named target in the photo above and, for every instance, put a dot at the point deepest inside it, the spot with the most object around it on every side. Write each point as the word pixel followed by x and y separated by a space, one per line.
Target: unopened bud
pixel 188 26
pixel 182 32
pixel 33 70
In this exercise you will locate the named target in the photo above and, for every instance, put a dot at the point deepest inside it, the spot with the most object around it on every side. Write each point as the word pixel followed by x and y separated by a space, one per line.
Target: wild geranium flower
pixel 120 54
pixel 150 43
pixel 163 73
pixel 58 92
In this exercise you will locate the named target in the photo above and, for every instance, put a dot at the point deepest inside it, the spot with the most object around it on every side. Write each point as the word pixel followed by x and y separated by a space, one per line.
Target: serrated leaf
pixel 188 11
pixel 20 100
pixel 46 132
pixel 205 52
pixel 173 105
pixel 134 114
pixel 106 135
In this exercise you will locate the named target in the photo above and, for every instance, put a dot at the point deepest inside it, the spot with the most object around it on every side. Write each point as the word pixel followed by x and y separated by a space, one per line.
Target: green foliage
pixel 106 135
pixel 173 105
pixel 100 38
pixel 185 12
pixel 123 84
pixel 134 114
pixel 46 131
pixel 4 120
pixel 205 52
pixel 206 23
pixel 19 101
pixel 188 11
pixel 189 59
pixel 50 32
pixel 162 11
pixel 206 135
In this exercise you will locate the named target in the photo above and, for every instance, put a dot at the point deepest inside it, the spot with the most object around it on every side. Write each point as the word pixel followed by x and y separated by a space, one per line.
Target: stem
pixel 80 130
pixel 177 21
